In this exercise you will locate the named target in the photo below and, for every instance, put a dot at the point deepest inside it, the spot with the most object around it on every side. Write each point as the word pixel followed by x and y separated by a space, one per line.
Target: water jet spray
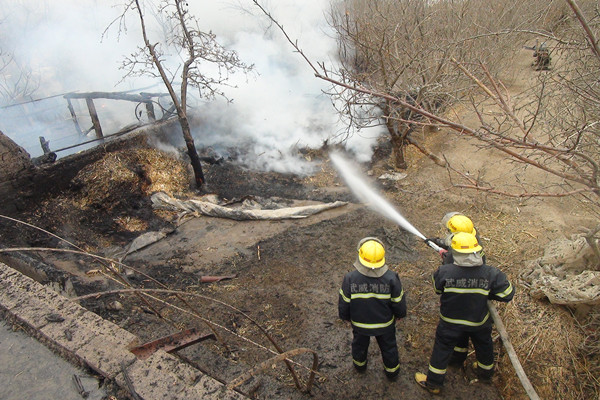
pixel 372 199
pixel 378 204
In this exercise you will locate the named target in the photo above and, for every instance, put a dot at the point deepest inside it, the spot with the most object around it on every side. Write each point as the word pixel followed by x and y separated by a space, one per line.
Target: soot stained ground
pixel 287 277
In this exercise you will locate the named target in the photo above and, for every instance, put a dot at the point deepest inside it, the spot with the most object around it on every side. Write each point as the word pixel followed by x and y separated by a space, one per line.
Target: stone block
pixel 105 355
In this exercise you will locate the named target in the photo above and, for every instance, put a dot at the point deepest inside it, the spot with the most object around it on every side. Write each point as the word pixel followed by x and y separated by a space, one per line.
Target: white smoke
pixel 273 112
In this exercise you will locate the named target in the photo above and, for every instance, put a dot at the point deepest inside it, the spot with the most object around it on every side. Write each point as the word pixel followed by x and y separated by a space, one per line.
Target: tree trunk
pixel 191 147
pixel 398 145
pixel 396 137
pixel 398 152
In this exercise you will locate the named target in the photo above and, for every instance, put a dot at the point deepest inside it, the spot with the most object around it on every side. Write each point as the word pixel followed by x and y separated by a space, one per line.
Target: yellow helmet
pixel 460 223
pixel 463 242
pixel 371 253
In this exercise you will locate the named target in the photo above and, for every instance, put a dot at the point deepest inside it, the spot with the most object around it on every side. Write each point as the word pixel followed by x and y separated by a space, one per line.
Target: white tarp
pixel 162 200
pixel 249 209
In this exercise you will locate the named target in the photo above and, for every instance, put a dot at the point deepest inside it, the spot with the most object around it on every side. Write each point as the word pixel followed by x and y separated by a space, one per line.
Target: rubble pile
pixel 566 274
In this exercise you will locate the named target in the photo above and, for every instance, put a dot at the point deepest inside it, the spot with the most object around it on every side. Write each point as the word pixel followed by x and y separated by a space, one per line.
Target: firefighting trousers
pixel 448 337
pixel 459 355
pixel 387 346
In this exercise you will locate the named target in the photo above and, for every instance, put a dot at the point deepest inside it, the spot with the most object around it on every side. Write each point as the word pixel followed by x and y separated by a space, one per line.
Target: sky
pixel 70 45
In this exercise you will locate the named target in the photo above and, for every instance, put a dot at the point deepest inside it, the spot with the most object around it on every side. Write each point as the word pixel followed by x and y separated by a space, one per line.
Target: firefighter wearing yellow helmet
pixel 460 223
pixel 372 300
pixel 464 286
pixel 453 222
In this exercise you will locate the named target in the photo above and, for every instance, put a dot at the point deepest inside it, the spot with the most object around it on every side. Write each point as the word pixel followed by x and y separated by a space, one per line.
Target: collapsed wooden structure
pixel 143 98
pixel 49 122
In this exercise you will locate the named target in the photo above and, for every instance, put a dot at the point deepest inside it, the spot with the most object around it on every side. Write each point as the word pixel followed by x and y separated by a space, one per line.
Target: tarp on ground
pixel 162 200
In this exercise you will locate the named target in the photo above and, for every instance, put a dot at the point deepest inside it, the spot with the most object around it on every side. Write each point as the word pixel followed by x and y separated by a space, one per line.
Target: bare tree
pixel 404 49
pixel 195 48
pixel 560 141
pixel 554 126
pixel 17 82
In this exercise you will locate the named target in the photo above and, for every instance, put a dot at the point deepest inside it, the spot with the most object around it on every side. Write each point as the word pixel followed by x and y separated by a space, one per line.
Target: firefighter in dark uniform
pixel 465 287
pixel 456 222
pixel 372 300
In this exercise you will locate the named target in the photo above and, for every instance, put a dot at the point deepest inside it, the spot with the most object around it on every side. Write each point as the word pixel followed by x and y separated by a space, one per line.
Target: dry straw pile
pixel 121 175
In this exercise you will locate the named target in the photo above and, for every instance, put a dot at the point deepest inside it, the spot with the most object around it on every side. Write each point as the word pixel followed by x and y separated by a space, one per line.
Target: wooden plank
pixel 94 116
pixel 74 117
pixel 138 98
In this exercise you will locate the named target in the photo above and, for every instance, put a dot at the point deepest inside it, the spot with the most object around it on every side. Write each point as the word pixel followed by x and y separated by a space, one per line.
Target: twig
pixel 125 283
pixel 104 261
pixel 146 291
pixel 532 348
pixel 79 386
pixel 591 38
pixel 284 356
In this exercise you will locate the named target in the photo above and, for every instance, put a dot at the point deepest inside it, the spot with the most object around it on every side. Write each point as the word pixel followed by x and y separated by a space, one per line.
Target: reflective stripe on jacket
pixel 371 304
pixel 465 291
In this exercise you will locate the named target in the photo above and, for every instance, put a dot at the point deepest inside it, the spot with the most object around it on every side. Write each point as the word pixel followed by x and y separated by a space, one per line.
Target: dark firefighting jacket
pixel 465 291
pixel 372 304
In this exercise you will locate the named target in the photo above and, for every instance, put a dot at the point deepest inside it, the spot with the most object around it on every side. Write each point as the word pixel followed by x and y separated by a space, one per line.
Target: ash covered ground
pixel 287 274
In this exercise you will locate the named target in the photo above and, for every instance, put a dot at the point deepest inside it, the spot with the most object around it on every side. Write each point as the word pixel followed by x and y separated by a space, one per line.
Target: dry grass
pixel 554 350
pixel 131 224
pixel 131 171
pixel 547 341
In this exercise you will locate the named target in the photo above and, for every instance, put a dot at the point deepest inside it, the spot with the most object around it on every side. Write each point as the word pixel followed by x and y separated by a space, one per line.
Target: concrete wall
pixel 101 345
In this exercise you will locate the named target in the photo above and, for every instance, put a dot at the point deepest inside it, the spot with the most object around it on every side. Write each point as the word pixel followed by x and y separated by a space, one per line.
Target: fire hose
pixel 512 354
pixel 377 203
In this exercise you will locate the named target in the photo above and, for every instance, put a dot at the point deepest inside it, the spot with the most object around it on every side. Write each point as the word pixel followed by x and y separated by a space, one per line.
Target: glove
pixel 443 252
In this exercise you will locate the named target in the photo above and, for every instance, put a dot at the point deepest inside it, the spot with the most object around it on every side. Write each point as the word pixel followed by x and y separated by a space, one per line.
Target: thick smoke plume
pixel 274 112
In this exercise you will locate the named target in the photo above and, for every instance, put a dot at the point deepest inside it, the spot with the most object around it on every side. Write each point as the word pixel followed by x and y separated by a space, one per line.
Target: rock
pixel 393 176
pixel 114 306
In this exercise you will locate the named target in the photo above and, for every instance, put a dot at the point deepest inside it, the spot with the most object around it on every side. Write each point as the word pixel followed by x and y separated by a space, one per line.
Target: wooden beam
pixel 94 116
pixel 74 117
pixel 45 145
pixel 150 111
pixel 138 98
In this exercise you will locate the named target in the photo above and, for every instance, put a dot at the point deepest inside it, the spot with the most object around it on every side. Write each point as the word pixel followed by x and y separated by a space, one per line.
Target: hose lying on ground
pixel 511 353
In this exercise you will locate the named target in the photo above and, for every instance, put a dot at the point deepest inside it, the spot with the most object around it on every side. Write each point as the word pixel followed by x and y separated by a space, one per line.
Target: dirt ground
pixel 288 272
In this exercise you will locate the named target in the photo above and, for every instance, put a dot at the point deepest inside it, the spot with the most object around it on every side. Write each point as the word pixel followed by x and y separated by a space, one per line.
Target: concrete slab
pixel 84 337
pixel 105 355
pixel 29 370
pixel 167 378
